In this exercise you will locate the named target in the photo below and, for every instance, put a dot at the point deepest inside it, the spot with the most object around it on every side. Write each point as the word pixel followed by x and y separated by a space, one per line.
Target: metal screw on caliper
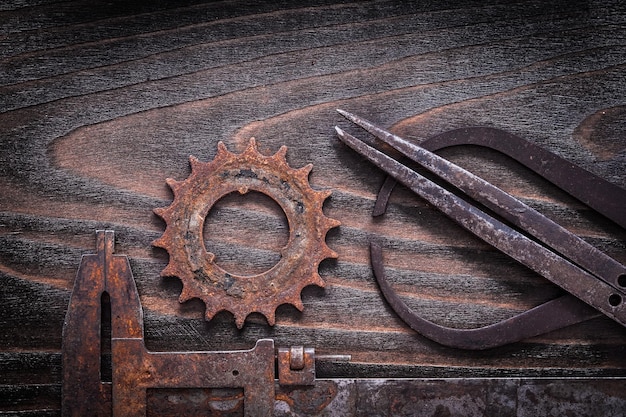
pixel 296 365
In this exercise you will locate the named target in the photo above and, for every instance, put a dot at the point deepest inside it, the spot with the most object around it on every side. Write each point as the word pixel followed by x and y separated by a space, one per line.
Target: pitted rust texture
pixel 296 366
pixel 135 369
pixel 195 266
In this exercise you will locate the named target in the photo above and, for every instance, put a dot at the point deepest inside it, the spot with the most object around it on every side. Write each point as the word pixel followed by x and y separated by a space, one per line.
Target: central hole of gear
pixel 246 233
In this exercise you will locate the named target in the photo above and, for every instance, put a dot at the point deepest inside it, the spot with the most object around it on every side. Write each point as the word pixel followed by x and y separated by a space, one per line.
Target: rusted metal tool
pixel 135 369
pixel 584 272
pixel 195 266
pixel 606 198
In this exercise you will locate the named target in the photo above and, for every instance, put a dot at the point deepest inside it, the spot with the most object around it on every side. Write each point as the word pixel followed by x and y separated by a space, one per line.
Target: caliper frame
pixel 135 369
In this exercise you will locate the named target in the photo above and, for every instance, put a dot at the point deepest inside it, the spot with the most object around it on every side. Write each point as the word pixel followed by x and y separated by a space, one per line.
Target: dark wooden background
pixel 101 101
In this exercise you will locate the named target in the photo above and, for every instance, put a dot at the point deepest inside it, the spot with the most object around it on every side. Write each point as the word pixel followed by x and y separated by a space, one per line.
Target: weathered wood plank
pixel 100 103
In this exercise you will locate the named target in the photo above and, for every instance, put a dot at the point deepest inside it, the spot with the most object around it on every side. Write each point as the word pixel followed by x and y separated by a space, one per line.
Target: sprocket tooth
pixel 316 279
pixel 303 173
pixel 222 150
pixel 211 311
pixel 297 303
pixel 194 162
pixel 185 295
pixel 334 222
pixel 331 223
pixel 270 316
pixel 173 184
pixel 171 271
pixel 161 212
pixel 329 253
pixel 159 243
pixel 324 194
pixel 240 318
pixel 251 148
pixel 281 155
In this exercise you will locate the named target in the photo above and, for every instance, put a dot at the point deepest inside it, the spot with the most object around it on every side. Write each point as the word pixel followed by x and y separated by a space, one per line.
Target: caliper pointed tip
pixel 348 115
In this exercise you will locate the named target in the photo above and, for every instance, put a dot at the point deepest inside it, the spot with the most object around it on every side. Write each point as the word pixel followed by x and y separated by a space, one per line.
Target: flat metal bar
pixel 528 219
pixel 550 265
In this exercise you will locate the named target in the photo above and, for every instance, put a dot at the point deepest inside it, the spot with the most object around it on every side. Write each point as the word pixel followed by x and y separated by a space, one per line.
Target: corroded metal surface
pixel 296 366
pixel 561 257
pixel 135 369
pixel 138 374
pixel 606 198
pixel 84 394
pixel 196 267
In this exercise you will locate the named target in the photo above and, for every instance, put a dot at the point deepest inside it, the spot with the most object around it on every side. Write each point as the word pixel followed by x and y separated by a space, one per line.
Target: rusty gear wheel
pixel 195 266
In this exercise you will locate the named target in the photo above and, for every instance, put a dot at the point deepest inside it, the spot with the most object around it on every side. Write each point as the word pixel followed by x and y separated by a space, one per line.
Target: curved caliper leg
pixel 563 311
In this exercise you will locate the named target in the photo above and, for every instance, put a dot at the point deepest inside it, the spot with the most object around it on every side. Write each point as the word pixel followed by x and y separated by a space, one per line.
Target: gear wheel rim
pixel 195 266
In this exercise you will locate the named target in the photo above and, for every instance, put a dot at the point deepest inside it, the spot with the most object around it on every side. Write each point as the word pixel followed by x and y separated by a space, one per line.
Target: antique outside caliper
pixel 595 283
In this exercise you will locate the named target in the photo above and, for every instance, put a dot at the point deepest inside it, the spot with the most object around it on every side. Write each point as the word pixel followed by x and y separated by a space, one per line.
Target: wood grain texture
pixel 100 102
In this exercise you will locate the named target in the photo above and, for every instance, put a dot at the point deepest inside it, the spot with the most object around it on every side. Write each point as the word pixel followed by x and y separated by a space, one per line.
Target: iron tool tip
pixel 347 115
